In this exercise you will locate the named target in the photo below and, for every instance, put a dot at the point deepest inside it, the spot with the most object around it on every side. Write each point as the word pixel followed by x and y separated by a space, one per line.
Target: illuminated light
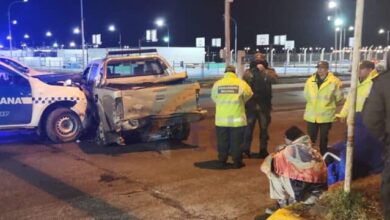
pixel 332 4
pixel 166 39
pixel 26 36
pixel 381 31
pixel 55 45
pixel 160 22
pixel 338 22
pixel 111 28
pixel 49 34
pixel 76 30
pixel 72 44
pixel 14 22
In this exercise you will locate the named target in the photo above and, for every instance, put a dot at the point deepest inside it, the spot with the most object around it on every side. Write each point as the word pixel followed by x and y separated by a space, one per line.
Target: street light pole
pixel 227 31
pixel 9 23
pixel 353 92
pixel 82 32
pixel 235 39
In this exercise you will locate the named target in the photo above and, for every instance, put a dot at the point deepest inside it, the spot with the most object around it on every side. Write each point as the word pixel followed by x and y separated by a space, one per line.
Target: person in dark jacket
pixel 376 117
pixel 259 107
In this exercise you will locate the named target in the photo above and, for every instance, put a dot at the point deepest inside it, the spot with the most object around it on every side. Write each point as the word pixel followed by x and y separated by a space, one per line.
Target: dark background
pixel 304 21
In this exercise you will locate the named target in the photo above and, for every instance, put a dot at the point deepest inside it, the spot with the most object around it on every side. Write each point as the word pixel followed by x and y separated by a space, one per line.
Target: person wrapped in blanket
pixel 296 171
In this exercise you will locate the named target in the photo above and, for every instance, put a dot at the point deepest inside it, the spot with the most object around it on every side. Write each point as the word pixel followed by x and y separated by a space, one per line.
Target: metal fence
pixel 286 63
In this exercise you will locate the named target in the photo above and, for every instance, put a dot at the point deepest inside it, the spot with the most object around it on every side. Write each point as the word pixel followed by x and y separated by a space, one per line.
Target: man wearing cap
pixel 258 108
pixel 230 95
pixel 322 93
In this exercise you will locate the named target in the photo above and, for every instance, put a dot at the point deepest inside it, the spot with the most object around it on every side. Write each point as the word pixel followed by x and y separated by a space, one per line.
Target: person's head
pixel 365 68
pixel 260 56
pixel 292 134
pixel 322 68
pixel 231 69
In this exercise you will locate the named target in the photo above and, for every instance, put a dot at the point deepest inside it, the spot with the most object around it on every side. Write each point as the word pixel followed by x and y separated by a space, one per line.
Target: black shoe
pixel 222 165
pixel 238 165
pixel 247 153
pixel 263 154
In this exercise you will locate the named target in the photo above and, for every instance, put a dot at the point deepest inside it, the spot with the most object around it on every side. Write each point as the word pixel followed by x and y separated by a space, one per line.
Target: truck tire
pixel 181 132
pixel 63 125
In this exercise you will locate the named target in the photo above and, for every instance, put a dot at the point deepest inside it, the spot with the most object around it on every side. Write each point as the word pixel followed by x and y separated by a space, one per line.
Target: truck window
pixel 94 73
pixel 10 78
pixel 133 68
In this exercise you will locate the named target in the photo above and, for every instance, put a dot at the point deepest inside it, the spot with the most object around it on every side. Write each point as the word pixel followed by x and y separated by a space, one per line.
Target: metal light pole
pixel 227 31
pixel 82 32
pixel 235 39
pixel 352 105
pixel 9 22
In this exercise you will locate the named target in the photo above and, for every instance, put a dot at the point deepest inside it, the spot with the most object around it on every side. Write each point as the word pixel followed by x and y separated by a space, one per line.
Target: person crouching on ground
pixel 296 171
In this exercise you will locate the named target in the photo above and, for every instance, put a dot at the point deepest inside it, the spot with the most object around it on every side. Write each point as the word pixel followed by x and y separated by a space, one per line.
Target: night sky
pixel 304 21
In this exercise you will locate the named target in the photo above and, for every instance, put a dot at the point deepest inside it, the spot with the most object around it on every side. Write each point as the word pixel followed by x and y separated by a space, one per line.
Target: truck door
pixel 15 98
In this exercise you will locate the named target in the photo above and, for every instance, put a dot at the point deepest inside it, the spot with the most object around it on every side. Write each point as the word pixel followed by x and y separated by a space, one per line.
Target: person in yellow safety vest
pixel 230 95
pixel 366 74
pixel 322 93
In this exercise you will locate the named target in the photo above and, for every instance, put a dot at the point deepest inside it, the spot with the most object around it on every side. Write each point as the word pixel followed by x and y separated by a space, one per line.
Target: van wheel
pixel 63 125
pixel 181 132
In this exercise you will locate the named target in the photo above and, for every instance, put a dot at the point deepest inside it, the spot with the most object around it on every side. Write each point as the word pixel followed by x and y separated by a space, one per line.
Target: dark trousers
pixel 229 140
pixel 323 128
pixel 386 189
pixel 264 119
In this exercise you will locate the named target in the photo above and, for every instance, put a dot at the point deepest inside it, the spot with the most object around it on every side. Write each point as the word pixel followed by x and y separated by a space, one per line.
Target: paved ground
pixel 161 180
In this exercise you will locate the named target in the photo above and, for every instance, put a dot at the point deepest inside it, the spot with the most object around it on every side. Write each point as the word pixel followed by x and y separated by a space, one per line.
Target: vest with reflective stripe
pixel 321 102
pixel 230 94
pixel 363 90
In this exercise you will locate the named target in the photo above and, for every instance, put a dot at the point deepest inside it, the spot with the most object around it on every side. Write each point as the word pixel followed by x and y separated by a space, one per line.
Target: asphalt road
pixel 160 180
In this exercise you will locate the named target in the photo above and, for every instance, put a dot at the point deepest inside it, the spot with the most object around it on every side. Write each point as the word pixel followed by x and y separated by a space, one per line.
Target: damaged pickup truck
pixel 136 91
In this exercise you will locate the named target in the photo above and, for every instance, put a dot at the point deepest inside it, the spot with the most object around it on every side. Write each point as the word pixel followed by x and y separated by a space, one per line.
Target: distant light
pixel 26 36
pixel 111 28
pixel 23 45
pixel 166 39
pixel 9 37
pixel 72 44
pixel 25 0
pixel 55 45
pixel 49 34
pixel 351 28
pixel 329 18
pixel 310 48
pixel 332 4
pixel 381 31
pixel 1 46
pixel 76 30
pixel 338 22
pixel 337 29
pixel 14 22
pixel 380 47
pixel 160 22
pixel 331 48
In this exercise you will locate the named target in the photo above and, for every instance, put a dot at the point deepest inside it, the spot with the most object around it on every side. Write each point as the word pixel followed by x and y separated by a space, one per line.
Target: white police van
pixel 29 103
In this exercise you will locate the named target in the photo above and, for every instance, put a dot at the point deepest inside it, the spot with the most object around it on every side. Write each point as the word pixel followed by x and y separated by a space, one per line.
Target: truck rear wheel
pixel 63 125
pixel 181 132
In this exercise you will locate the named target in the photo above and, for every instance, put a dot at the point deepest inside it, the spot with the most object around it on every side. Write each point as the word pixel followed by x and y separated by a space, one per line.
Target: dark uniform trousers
pixel 264 119
pixel 323 128
pixel 230 140
pixel 386 187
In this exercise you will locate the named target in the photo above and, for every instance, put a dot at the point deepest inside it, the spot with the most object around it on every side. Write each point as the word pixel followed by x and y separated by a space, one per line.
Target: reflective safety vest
pixel 363 90
pixel 230 94
pixel 321 102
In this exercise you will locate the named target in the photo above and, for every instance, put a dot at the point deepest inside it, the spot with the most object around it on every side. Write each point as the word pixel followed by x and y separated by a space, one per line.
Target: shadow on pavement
pixel 94 207
pixel 213 165
pixel 90 147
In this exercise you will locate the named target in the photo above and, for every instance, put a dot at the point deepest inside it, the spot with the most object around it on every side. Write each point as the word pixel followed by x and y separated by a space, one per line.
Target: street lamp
pixel 9 21
pixel 49 34
pixel 14 22
pixel 383 31
pixel 112 28
pixel 332 4
pixel 351 28
pixel 161 23
pixel 76 30
pixel 26 36
pixel 72 44
pixel 55 45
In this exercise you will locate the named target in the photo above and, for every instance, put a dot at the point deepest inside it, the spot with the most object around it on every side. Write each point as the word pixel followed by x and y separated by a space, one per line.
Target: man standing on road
pixel 259 107
pixel 376 117
pixel 230 95
pixel 322 93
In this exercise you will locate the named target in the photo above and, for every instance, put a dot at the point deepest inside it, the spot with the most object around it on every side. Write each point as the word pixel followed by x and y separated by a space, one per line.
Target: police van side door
pixel 15 98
